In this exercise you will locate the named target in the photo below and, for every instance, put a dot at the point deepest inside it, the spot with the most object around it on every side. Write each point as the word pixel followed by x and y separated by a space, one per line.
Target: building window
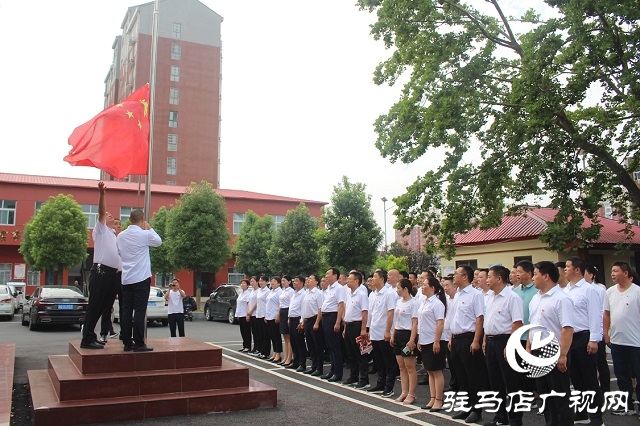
pixel 278 220
pixel 517 259
pixel 39 205
pixel 163 280
pixel 636 176
pixel 172 142
pixel 171 182
pixel 91 211
pixel 174 96
pixel 125 212
pixel 176 30
pixel 5 273
pixel 173 119
pixel 176 51
pixel 234 276
pixel 33 278
pixel 473 263
pixel 7 212
pixel 172 165
pixel 175 73
pixel 238 220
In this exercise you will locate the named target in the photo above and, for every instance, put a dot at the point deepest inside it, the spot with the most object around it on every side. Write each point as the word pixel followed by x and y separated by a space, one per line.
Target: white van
pixel 18 290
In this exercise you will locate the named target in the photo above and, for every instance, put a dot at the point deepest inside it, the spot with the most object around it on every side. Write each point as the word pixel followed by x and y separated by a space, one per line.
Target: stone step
pixel 71 384
pixel 7 361
pixel 49 411
pixel 168 354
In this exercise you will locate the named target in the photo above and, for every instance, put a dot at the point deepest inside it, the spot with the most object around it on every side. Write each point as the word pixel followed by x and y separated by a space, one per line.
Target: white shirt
pixel 285 297
pixel 404 313
pixel 295 307
pixel 253 300
pixel 273 303
pixel 242 303
pixel 587 313
pixel 446 332
pixel 312 302
pixel 380 303
pixel 105 250
pixel 503 309
pixel 133 246
pixel 356 303
pixel 261 309
pixel 333 296
pixel 552 310
pixel 175 302
pixel 469 305
pixel 624 311
pixel 430 311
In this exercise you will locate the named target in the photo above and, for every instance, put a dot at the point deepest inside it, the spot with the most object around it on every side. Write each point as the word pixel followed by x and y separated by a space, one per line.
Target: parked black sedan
pixel 54 304
pixel 222 303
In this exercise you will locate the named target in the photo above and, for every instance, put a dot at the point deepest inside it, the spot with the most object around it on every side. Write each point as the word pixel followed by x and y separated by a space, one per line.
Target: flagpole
pixel 152 91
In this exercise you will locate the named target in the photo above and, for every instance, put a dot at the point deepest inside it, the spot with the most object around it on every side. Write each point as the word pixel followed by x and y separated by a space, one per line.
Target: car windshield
pixel 60 292
pixel 3 290
pixel 154 292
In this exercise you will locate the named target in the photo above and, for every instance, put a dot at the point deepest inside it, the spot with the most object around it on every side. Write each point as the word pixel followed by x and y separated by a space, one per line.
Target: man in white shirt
pixel 622 331
pixel 332 314
pixel 104 279
pixel 355 318
pixel 587 332
pixel 133 245
pixel 296 326
pixel 310 309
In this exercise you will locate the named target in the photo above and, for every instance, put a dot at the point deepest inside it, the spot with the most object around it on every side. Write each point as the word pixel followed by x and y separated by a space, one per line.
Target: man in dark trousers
pixel 133 245
pixel 103 279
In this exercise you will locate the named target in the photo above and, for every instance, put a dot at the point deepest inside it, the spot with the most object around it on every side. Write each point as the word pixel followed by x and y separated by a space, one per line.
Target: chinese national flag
pixel 115 141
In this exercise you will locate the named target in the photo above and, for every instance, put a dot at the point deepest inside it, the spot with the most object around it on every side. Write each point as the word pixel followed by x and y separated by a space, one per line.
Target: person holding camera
pixel 176 309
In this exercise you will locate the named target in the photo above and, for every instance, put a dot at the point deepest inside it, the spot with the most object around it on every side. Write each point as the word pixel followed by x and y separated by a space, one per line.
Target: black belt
pixel 99 267
pixel 464 335
pixel 354 322
pixel 498 337
pixel 326 314
pixel 580 333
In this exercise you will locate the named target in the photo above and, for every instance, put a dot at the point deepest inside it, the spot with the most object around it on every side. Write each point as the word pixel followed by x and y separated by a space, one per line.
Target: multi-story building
pixel 22 196
pixel 186 131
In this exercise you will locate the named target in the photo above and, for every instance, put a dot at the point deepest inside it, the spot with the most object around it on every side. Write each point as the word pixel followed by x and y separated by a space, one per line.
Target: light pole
pixel 384 206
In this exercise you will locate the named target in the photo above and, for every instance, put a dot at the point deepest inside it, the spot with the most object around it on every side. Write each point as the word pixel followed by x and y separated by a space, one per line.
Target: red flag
pixel 115 141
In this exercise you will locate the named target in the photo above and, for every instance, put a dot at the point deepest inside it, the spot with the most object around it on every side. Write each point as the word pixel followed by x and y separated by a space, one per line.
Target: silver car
pixel 157 307
pixel 7 302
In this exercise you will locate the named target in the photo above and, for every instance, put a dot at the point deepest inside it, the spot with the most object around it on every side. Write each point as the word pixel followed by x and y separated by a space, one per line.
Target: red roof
pixel 170 189
pixel 533 223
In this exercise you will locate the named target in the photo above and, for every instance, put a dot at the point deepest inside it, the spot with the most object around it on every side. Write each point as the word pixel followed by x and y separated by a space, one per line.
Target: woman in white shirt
pixel 431 316
pixel 251 314
pixel 176 310
pixel 272 309
pixel 403 339
pixel 283 319
pixel 242 307
pixel 265 342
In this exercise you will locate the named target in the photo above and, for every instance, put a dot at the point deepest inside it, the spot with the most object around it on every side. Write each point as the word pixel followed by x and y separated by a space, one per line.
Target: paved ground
pixel 302 400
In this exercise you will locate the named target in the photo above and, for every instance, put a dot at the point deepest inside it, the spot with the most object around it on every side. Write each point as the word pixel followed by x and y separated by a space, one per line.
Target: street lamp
pixel 384 206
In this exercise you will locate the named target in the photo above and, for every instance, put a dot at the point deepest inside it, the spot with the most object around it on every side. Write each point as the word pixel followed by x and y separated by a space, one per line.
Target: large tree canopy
pixel 524 109
pixel 253 242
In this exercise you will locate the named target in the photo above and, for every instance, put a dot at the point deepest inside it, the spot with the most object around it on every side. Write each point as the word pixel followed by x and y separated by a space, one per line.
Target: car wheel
pixel 207 314
pixel 231 317
pixel 165 322
pixel 32 325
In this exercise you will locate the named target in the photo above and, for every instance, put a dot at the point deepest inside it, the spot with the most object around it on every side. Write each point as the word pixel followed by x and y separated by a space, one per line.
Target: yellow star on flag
pixel 130 114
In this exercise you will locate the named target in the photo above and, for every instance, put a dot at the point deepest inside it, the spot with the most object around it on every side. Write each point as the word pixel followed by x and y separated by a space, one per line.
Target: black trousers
pixel 386 362
pixel 453 383
pixel 471 369
pixel 245 332
pixel 254 332
pixel 298 345
pixel 359 362
pixel 333 343
pixel 502 378
pixel 556 409
pixel 264 343
pixel 274 335
pixel 102 284
pixel 135 298
pixel 176 319
pixel 106 326
pixel 604 375
pixel 315 343
pixel 584 371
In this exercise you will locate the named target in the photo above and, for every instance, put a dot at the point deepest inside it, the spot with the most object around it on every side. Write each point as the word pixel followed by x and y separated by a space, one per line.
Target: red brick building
pixel 21 195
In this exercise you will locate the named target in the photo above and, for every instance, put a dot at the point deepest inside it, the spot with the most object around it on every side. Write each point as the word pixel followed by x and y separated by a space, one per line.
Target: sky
pixel 298 99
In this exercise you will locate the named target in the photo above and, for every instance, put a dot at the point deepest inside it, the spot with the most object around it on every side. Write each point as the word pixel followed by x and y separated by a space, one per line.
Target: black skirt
pixel 431 361
pixel 400 340
pixel 284 319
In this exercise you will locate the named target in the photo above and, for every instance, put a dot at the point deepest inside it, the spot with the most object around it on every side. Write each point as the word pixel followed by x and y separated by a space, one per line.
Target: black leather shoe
pixel 309 371
pixel 128 348
pixel 473 417
pixel 143 348
pixel 334 379
pixel 326 376
pixel 460 415
pixel 291 366
pixel 92 345
pixel 317 373
pixel 301 369
pixel 101 343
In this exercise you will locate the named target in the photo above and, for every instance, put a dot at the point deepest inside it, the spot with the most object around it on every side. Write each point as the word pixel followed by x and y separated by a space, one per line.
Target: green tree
pixel 522 107
pixel 391 262
pixel 417 260
pixel 161 257
pixel 353 236
pixel 56 237
pixel 294 249
pixel 253 242
pixel 197 229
